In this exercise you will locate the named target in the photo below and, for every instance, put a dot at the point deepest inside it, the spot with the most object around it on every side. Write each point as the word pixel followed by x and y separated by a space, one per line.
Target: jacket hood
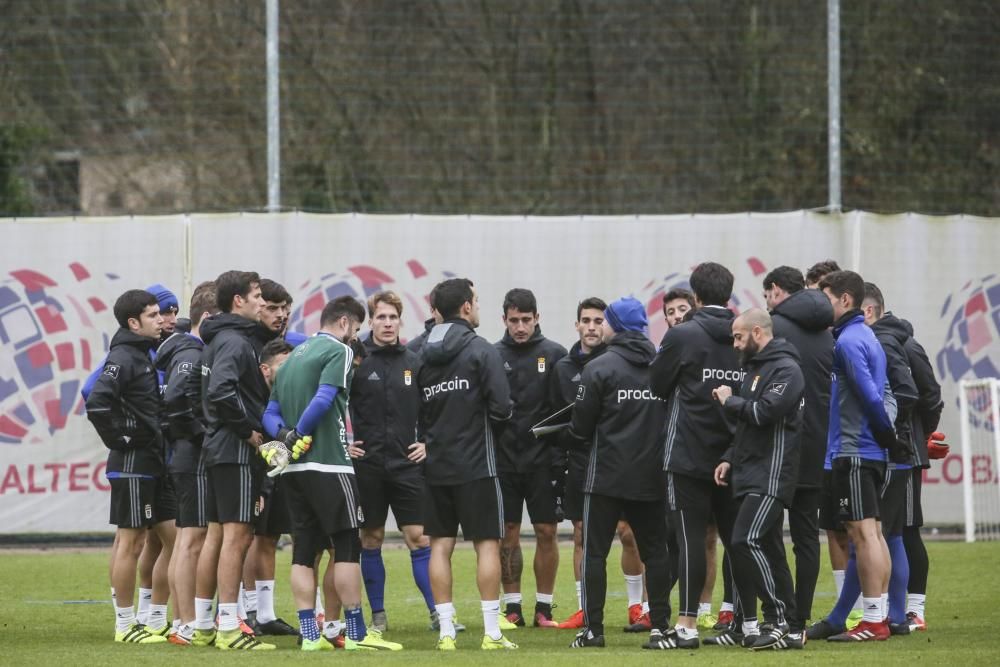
pixel 126 337
pixel 894 326
pixel 809 308
pixel 534 338
pixel 211 327
pixel 446 340
pixel 263 334
pixel 633 346
pixel 778 348
pixel 580 359
pixel 717 323
pixel 171 346
pixel 429 324
pixel 850 317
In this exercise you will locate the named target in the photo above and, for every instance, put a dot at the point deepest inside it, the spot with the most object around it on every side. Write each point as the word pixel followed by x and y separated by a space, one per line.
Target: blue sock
pixel 419 561
pixel 373 573
pixel 848 594
pixel 356 629
pixel 898 579
pixel 307 624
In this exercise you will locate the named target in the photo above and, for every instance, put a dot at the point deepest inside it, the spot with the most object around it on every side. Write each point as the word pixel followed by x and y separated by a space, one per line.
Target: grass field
pixel 53 611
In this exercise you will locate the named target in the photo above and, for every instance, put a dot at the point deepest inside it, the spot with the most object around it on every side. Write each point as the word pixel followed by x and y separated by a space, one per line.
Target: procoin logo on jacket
pixel 454 384
pixel 722 374
pixel 637 395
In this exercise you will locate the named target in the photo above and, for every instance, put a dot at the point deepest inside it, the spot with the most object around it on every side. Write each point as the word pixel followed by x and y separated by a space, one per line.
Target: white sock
pixel 885 605
pixel 203 614
pixel 186 631
pixel 145 599
pixel 124 618
pixel 686 633
pixel 872 610
pixel 838 581
pixel 750 627
pixel 446 616
pixel 228 618
pixel 916 604
pixel 240 610
pixel 114 598
pixel 579 595
pixel 157 617
pixel 265 600
pixel 633 588
pixel 319 601
pixel 332 628
pixel 859 604
pixel 491 618
pixel 726 606
pixel 511 598
pixel 250 601
pixel 645 606
pixel 544 598
pixel 704 608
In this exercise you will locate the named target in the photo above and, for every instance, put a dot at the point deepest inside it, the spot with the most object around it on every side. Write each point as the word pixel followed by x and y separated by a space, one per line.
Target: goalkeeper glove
pixel 275 454
pixel 297 443
pixel 936 447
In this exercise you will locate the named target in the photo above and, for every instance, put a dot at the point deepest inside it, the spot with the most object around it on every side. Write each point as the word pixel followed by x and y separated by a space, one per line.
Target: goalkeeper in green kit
pixel 308 413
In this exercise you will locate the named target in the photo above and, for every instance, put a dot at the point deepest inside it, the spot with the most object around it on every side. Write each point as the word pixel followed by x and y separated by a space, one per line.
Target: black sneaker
pixel 824 629
pixel 728 637
pixel 770 635
pixel 903 628
pixel 793 640
pixel 660 641
pixel 277 627
pixel 587 639
pixel 435 623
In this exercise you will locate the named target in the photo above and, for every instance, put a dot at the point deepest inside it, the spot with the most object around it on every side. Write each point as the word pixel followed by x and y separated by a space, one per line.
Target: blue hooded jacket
pixel 859 392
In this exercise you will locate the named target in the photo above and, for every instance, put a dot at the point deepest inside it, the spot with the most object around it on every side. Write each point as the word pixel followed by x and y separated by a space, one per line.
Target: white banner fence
pixel 59 278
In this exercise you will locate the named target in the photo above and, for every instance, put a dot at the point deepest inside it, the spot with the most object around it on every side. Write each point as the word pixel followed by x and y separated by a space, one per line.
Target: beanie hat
pixel 164 297
pixel 626 314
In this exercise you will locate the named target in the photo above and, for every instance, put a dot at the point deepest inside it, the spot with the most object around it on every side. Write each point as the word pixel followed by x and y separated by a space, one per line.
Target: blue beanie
pixel 164 297
pixel 626 314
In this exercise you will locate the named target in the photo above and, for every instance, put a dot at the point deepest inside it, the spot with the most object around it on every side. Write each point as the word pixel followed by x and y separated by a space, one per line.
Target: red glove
pixel 936 447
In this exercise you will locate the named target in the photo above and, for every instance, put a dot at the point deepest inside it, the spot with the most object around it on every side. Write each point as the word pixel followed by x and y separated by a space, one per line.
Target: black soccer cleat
pixel 896 629
pixel 770 635
pixel 823 630
pixel 793 640
pixel 728 637
pixel 275 628
pixel 661 641
pixel 587 639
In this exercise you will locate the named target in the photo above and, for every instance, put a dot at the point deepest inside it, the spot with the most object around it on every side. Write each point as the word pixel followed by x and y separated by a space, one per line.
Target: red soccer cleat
pixel 574 622
pixel 634 614
pixel 916 623
pixel 865 631
pixel 725 620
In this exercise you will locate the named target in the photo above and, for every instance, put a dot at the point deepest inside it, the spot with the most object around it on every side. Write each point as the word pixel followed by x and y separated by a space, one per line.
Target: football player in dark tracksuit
pixel 388 459
pixel 803 318
pixel 694 358
pixel 619 420
pixel 764 461
pixel 525 462
pixel 124 407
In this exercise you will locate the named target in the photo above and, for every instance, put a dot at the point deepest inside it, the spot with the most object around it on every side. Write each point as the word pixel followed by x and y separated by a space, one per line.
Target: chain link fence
pixel 507 107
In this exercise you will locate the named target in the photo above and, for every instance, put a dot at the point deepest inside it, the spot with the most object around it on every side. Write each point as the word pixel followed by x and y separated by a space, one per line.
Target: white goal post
pixel 979 409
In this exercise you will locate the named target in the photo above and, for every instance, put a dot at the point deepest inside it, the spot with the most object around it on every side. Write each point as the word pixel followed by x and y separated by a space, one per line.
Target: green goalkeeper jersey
pixel 322 359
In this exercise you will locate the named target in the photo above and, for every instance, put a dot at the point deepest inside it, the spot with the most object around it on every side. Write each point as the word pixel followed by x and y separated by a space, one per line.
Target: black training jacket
pixel 124 407
pixel 892 337
pixel 804 320
pixel 768 411
pixel 694 358
pixel 463 392
pixel 568 373
pixel 179 358
pixel 529 368
pixel 385 405
pixel 233 391
pixel 619 420
pixel 927 412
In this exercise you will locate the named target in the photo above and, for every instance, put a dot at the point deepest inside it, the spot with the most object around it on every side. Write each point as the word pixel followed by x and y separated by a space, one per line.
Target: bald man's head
pixel 752 331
